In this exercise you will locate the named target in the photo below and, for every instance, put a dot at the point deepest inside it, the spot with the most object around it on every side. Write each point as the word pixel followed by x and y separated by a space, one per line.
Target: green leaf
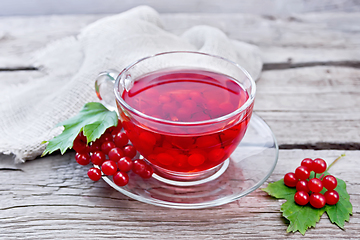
pixel 93 119
pixel 301 217
pixel 279 190
pixel 340 212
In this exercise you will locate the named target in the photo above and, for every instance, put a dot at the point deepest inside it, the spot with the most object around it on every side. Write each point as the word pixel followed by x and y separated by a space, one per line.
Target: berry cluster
pixel 112 155
pixel 308 190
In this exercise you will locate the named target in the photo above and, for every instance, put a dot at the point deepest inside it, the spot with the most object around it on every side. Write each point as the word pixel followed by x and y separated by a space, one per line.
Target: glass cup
pixel 190 150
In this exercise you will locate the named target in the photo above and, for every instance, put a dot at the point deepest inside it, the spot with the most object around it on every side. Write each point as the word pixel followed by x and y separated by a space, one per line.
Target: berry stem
pixel 322 175
pixel 342 155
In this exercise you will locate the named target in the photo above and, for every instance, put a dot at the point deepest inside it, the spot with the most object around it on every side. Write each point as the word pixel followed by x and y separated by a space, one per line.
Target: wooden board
pixel 53 198
pixel 311 105
pixel 268 7
pixel 319 39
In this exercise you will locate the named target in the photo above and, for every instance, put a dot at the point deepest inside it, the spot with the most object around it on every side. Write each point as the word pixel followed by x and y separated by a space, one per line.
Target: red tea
pixel 191 97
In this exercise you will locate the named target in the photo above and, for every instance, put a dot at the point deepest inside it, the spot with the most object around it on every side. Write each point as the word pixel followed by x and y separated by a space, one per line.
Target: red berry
pixel 129 151
pixel 165 158
pixel 317 200
pixel 119 124
pixel 121 139
pixel 109 168
pixel 302 173
pixel 302 186
pixel 94 174
pixel 98 158
pixel 147 172
pixel 315 185
pixel 95 146
pixel 139 166
pixel 189 104
pixel 80 147
pixel 121 178
pixel 82 158
pixel 80 144
pixel 290 180
pixel 307 162
pixel 183 113
pixel 107 146
pixel 114 130
pixel 164 99
pixel 216 154
pixel 147 138
pixel 319 165
pixel 301 198
pixel 125 164
pixel 332 197
pixel 169 107
pixel 196 159
pixel 115 154
pixel 329 182
pixel 196 96
pixel 81 136
pixel 106 137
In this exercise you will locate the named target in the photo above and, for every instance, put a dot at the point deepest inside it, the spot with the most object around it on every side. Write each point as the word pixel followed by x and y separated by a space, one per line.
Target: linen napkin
pixel 29 112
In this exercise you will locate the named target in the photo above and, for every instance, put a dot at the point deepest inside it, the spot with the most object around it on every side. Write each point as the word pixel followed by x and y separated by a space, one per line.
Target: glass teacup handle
pixel 104 88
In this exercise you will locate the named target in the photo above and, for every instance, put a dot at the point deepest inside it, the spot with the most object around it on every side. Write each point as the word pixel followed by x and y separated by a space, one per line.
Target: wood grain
pixel 53 198
pixel 310 105
pixel 268 7
pixel 318 38
pixel 308 94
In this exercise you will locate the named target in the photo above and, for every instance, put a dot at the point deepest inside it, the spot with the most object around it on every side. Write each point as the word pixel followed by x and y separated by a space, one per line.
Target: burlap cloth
pixel 29 112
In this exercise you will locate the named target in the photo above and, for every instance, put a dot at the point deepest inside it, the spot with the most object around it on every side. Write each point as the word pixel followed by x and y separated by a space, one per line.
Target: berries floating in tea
pixel 178 123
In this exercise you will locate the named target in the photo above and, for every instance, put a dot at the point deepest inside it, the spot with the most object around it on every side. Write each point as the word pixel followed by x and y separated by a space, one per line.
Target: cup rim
pixel 248 102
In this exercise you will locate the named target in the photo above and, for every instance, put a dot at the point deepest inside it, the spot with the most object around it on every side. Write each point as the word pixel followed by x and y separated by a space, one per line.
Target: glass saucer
pixel 248 168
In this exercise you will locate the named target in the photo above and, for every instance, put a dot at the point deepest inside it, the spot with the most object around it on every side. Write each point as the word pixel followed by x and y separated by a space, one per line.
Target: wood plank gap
pixel 266 66
pixel 323 146
pixel 11 169
pixel 18 69
pixel 289 65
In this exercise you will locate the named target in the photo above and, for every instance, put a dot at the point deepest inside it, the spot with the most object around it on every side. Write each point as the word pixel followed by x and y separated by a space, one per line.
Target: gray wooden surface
pixel 308 93
pixel 266 7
